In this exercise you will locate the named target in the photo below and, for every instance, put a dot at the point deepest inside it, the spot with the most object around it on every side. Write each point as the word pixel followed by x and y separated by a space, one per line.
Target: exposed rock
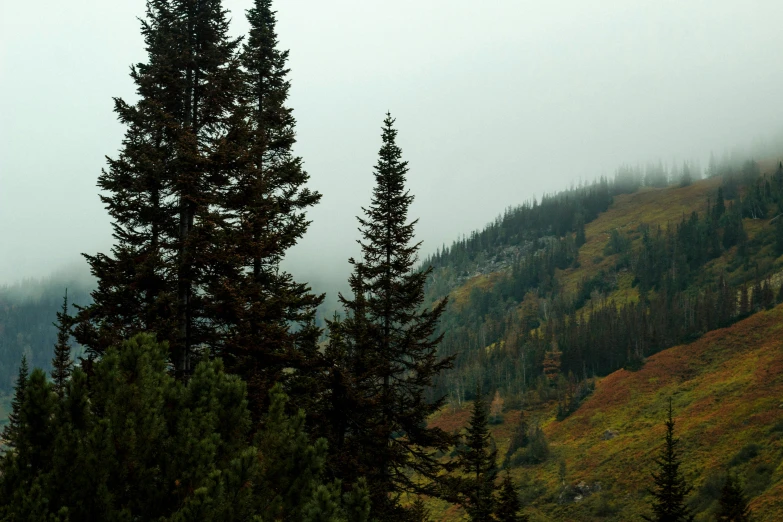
pixel 609 435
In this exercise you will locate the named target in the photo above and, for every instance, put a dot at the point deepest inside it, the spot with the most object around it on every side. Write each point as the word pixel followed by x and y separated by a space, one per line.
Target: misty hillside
pixel 595 464
pixel 606 287
pixel 27 314
pixel 573 329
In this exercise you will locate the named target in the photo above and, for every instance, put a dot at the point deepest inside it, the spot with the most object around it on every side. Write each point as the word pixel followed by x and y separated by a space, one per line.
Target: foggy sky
pixel 495 102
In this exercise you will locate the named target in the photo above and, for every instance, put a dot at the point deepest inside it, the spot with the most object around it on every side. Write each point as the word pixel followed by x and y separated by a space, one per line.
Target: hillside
pixel 27 312
pixel 726 389
pixel 654 267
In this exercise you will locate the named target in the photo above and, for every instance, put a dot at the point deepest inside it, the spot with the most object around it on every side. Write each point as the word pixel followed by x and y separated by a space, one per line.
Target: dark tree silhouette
pixel 733 505
pixel 385 352
pixel 62 364
pixel 670 487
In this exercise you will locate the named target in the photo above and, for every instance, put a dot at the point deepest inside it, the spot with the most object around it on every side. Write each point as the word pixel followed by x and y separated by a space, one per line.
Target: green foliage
pixel 11 430
pixel 134 443
pixel 758 478
pixel 266 317
pixel 536 451
pixel 670 487
pixel 26 329
pixel 519 438
pixel 162 190
pixel 746 453
pixel 618 243
pixel 477 460
pixel 733 506
pixel 508 504
pixel 62 364
pixel 383 357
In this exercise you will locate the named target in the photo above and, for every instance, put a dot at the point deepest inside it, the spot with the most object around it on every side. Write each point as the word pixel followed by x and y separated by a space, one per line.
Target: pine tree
pixel 779 235
pixel 720 206
pixel 670 486
pixel 145 446
pixel 255 302
pixel 11 430
pixel 508 504
pixel 478 462
pixel 418 511
pixel 61 362
pixel 161 190
pixel 390 350
pixel 733 506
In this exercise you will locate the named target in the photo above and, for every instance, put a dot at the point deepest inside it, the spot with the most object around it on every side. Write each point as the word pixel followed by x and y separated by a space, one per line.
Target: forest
pixel 190 377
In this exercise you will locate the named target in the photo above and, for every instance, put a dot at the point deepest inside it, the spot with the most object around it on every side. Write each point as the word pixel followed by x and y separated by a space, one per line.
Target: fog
pixel 495 102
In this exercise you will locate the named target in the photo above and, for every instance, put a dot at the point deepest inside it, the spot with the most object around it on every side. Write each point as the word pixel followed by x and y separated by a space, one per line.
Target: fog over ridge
pixel 493 104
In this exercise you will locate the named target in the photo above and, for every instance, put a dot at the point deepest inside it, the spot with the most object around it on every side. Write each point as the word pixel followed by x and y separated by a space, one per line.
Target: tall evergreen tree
pixel 508 504
pixel 670 487
pixel 61 362
pixel 162 188
pixel 477 459
pixel 11 430
pixel 253 301
pixel 389 349
pixel 733 506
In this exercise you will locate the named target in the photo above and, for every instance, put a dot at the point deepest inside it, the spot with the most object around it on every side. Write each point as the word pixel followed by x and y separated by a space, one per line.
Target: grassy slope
pixel 653 206
pixel 727 389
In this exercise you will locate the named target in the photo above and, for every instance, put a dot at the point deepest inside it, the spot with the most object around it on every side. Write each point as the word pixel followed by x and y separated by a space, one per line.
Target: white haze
pixel 495 102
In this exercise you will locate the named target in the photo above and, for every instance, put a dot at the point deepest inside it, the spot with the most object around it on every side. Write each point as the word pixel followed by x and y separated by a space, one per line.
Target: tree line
pixel 502 332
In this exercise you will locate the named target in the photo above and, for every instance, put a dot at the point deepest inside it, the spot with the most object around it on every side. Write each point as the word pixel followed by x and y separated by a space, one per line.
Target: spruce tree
pixel 61 362
pixel 254 302
pixel 670 487
pixel 733 506
pixel 161 190
pixel 11 430
pixel 477 460
pixel 389 351
pixel 508 504
pixel 418 511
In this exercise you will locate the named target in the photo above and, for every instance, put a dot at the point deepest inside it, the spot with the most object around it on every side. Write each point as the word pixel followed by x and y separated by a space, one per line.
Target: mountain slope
pixel 674 262
pixel 727 389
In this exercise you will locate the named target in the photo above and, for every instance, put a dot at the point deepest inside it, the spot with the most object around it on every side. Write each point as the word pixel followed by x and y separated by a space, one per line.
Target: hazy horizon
pixel 494 106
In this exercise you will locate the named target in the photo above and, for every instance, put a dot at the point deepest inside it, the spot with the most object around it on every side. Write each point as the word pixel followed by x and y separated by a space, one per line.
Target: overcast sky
pixel 495 102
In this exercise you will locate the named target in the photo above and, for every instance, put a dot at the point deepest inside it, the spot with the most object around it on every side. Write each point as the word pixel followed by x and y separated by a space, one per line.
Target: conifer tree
pixel 61 362
pixel 508 504
pixel 580 237
pixel 253 301
pixel 161 189
pixel 720 205
pixel 419 511
pixel 389 350
pixel 733 506
pixel 11 430
pixel 670 487
pixel 148 447
pixel 477 460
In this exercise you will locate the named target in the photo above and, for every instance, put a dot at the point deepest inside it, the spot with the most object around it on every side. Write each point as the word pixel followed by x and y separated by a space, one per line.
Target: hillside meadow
pixel 727 393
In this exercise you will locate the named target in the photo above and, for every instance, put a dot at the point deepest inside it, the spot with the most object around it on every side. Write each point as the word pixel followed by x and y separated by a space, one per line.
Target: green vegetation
pixel 201 388
pixel 130 442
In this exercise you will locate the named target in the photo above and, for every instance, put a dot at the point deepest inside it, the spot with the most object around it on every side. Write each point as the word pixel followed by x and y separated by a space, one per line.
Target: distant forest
pixel 27 317
pixel 515 328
